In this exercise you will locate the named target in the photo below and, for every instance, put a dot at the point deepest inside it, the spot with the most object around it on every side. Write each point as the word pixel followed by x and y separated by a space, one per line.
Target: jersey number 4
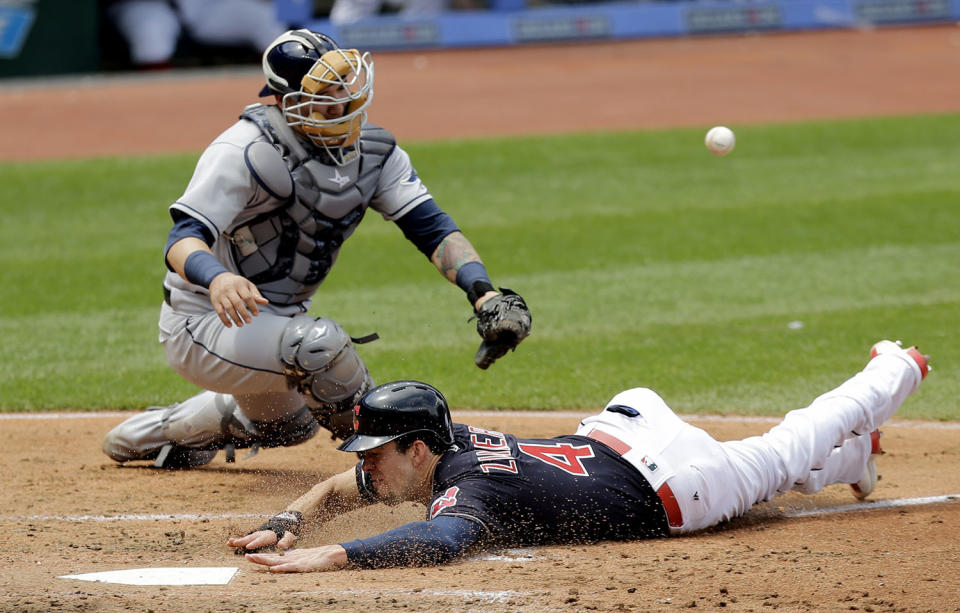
pixel 568 458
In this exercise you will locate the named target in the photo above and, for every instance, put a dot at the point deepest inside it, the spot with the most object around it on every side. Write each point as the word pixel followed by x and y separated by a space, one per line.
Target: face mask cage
pixel 341 77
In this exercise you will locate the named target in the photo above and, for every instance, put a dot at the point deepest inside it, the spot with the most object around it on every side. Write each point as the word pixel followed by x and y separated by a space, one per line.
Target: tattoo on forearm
pixel 453 252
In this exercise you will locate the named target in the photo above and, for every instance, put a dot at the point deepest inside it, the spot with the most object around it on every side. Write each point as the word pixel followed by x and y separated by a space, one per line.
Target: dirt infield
pixel 68 509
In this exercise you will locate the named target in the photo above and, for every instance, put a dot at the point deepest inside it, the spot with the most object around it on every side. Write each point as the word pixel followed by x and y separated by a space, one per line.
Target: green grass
pixel 744 284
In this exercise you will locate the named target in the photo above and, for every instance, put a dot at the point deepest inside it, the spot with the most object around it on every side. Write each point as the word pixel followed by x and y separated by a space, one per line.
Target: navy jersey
pixel 538 491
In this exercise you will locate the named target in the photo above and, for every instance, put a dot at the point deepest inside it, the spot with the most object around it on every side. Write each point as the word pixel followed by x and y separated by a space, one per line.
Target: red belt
pixel 670 504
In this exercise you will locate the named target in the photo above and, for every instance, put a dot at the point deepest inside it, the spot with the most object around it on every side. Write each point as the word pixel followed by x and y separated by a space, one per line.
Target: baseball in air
pixel 720 140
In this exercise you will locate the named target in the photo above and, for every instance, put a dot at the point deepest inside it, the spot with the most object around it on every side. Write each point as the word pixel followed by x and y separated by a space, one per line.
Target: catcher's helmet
pixel 392 410
pixel 314 76
pixel 291 56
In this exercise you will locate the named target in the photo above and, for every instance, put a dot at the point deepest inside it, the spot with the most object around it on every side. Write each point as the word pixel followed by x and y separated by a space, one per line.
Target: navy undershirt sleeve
pixel 419 543
pixel 426 225
pixel 184 226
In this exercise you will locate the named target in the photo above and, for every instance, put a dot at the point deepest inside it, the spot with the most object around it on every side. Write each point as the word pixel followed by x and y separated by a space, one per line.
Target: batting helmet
pixel 392 410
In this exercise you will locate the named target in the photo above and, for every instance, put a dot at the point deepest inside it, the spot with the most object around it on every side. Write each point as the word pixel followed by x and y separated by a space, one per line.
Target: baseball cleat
pixel 868 481
pixel 175 457
pixel 923 361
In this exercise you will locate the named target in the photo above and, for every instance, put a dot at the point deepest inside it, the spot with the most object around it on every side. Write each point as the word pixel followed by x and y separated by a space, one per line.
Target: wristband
pixel 472 278
pixel 479 289
pixel 201 267
pixel 288 521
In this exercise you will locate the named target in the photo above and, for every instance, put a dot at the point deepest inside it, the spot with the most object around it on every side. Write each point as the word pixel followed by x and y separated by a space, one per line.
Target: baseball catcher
pixel 260 225
pixel 634 471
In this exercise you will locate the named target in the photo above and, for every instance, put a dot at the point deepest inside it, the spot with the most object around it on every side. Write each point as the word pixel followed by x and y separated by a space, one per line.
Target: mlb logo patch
pixel 650 464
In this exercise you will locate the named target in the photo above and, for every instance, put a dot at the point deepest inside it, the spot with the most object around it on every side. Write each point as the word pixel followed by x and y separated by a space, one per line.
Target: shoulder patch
pixel 448 499
pixel 413 178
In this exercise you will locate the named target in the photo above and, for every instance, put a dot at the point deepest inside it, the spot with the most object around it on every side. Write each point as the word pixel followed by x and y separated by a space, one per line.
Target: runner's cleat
pixel 923 361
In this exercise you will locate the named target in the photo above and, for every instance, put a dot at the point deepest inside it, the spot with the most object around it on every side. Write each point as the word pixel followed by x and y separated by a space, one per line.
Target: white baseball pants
pixel 827 442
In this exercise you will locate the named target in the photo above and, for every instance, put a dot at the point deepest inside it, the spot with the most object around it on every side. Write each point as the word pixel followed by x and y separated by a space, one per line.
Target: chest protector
pixel 288 251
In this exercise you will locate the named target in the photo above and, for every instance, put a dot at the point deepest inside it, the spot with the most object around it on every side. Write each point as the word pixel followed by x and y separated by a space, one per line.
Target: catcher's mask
pixel 392 410
pixel 312 74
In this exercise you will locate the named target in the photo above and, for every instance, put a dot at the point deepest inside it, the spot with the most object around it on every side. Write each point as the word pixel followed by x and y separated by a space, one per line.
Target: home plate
pixel 217 575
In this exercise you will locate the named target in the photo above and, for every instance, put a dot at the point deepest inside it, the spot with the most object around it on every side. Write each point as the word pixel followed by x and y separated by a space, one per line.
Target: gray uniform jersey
pixel 278 219
pixel 287 243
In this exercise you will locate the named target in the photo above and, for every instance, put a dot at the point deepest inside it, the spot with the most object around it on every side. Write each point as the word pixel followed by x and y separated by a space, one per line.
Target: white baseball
pixel 720 140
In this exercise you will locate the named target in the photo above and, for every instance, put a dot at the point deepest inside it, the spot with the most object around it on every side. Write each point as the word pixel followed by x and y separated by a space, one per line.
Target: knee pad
pixel 322 363
pixel 135 438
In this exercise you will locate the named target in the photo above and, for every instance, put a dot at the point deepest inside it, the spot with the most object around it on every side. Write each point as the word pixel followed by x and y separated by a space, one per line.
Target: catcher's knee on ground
pixel 191 433
pixel 142 437
pixel 322 363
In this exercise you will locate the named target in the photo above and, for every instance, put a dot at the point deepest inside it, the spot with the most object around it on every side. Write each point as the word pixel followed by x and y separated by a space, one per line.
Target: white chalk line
pixel 77 415
pixel 499 596
pixel 932 425
pixel 508 555
pixel 135 517
pixel 872 505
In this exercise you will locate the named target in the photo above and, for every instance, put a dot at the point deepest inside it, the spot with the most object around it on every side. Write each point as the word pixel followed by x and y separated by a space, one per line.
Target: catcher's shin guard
pixel 220 424
pixel 340 424
pixel 338 417
pixel 323 365
pixel 190 433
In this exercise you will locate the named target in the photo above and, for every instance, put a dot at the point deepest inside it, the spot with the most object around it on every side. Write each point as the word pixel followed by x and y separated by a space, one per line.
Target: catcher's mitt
pixel 502 322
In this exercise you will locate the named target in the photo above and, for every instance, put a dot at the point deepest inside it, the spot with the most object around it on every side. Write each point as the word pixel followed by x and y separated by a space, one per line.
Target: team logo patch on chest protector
pixel 288 251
